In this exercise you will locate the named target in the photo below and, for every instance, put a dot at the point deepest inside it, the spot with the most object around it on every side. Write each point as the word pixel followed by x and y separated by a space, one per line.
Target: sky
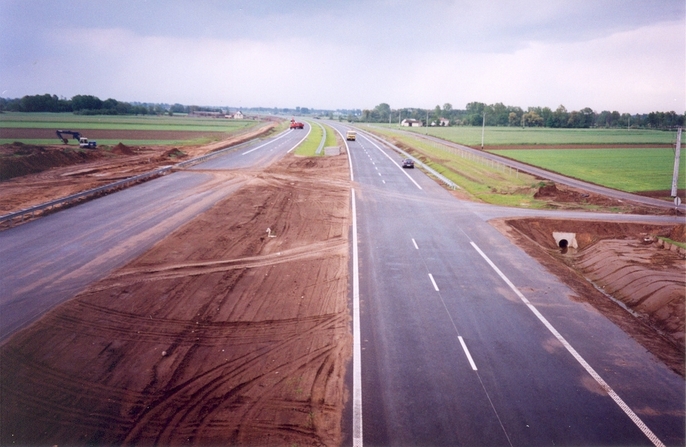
pixel 623 55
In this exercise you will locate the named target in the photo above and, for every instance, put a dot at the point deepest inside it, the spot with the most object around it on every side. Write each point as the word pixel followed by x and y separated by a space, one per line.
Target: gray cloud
pixel 627 55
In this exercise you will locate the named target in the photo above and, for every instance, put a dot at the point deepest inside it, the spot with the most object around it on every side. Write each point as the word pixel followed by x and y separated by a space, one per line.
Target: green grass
pixel 308 148
pixel 630 170
pixel 678 244
pixel 330 137
pixel 120 122
pixel 496 136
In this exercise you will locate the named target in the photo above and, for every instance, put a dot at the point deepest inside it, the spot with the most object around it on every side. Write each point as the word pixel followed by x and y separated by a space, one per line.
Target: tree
pixel 383 112
pixel 560 117
pixel 532 119
pixel 513 119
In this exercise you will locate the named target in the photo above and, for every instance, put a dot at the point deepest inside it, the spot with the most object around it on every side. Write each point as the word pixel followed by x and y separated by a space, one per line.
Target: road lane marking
pixel 433 282
pixel 268 142
pixel 618 400
pixel 298 143
pixel 415 244
pixel 357 352
pixel 393 161
pixel 466 351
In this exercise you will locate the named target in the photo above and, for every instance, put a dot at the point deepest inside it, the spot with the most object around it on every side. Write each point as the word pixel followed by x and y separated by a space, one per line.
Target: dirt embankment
pixel 233 330
pixel 618 265
pixel 32 175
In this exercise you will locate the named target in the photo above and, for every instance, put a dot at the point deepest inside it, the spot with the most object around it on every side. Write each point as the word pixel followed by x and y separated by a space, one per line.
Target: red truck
pixel 296 125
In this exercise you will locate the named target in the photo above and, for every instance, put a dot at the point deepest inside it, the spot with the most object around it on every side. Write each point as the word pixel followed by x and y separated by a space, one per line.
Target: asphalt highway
pixel 466 340
pixel 51 259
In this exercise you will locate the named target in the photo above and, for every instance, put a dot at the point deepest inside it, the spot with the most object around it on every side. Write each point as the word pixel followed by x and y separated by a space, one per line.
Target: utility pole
pixel 483 129
pixel 675 176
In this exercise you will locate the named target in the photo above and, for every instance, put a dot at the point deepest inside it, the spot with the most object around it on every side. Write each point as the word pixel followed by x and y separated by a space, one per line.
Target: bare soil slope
pixel 224 333
pixel 616 266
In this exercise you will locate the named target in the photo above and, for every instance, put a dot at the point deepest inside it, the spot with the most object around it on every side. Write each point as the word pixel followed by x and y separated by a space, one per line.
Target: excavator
pixel 83 141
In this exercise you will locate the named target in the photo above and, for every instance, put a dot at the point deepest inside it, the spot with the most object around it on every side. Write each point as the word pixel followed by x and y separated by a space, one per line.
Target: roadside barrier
pixel 321 143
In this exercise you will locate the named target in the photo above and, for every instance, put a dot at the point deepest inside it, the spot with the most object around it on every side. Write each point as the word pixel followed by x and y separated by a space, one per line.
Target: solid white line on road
pixel 618 400
pixel 393 161
pixel 268 142
pixel 298 143
pixel 415 244
pixel 350 160
pixel 466 351
pixel 357 352
pixel 433 282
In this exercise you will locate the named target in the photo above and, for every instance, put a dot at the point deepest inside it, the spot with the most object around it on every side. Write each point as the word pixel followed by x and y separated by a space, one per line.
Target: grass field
pixel 631 170
pixel 120 122
pixel 498 136
pixel 309 147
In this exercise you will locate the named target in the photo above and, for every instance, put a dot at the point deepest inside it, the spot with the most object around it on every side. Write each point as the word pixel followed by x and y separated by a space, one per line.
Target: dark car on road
pixel 408 163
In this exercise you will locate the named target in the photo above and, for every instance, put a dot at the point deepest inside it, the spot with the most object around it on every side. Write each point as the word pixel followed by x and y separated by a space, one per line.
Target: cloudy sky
pixel 624 55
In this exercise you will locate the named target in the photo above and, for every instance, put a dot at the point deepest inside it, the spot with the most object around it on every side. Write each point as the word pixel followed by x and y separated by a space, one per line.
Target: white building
pixel 408 122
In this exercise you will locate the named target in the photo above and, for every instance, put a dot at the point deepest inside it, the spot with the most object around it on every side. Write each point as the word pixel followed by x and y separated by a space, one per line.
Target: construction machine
pixel 83 141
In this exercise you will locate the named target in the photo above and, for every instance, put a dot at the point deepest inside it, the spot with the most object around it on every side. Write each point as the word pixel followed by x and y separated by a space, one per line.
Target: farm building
pixel 411 123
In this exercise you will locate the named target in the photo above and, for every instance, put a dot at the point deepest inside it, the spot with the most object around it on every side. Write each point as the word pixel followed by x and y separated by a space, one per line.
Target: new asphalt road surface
pixel 463 339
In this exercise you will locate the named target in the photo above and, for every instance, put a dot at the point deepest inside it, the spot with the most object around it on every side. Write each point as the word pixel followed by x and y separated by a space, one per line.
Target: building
pixel 408 122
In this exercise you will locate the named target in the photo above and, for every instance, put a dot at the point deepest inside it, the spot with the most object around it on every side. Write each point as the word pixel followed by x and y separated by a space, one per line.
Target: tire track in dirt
pixel 217 335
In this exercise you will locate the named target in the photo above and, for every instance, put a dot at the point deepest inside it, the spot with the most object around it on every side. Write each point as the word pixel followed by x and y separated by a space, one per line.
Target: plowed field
pixel 224 333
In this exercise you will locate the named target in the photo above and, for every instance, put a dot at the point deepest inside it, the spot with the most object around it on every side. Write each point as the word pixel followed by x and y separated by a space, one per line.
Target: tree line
pixel 92 105
pixel 474 114
pixel 478 113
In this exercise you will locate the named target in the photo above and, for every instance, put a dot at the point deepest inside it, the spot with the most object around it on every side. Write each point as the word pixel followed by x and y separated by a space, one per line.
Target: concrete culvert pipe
pixel 565 240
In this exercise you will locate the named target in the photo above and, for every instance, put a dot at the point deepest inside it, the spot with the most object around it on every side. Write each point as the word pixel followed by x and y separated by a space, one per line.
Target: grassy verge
pixel 631 170
pixel 477 177
pixel 330 137
pixel 308 148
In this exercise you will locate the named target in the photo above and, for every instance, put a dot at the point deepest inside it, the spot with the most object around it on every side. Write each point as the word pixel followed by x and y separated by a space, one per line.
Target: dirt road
pixel 224 333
